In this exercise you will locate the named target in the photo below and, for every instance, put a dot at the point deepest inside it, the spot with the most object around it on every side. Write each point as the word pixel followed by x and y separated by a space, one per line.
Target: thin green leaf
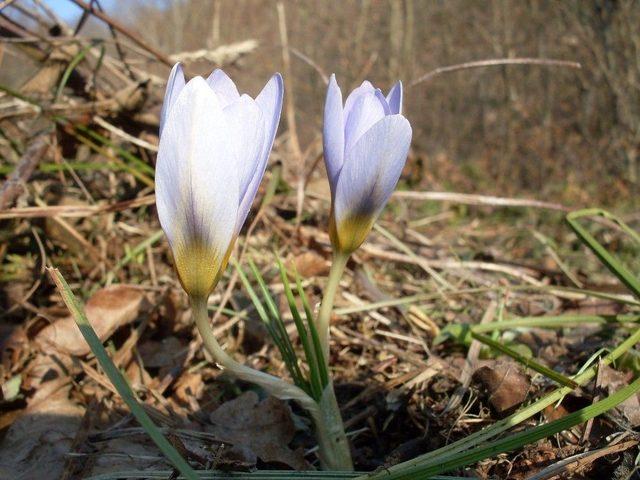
pixel 257 475
pixel 611 262
pixel 118 381
pixel 527 362
pixel 501 426
pixel 555 321
pixel 257 303
pixel 315 378
pixel 276 319
pixel 313 332
pixel 411 470
pixel 70 68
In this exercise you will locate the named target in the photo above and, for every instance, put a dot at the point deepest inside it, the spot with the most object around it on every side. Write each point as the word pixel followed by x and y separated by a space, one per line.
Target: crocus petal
pixel 175 84
pixel 370 173
pixel 367 110
pixel 197 186
pixel 333 132
pixel 270 102
pixel 246 124
pixel 365 87
pixel 395 98
pixel 223 86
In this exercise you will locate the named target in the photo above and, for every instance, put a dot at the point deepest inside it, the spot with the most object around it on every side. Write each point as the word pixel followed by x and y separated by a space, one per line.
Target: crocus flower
pixel 366 143
pixel 214 145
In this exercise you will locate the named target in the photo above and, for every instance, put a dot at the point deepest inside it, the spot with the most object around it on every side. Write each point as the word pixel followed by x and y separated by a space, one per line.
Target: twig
pixel 311 63
pixel 13 186
pixel 124 30
pixel 290 107
pixel 472 199
pixel 121 133
pixel 62 211
pixel 494 62
pixel 6 3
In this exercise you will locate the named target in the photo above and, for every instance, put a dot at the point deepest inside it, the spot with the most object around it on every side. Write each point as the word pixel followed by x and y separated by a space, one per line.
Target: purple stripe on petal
pixel 372 168
pixel 197 185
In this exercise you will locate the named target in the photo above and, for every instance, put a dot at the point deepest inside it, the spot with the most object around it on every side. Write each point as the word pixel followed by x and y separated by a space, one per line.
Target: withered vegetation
pixel 475 233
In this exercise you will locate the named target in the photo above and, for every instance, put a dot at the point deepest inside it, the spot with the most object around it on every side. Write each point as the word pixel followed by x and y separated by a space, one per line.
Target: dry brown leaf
pixel 107 310
pixel 613 380
pixel 36 443
pixel 264 427
pixel 310 264
pixel 504 382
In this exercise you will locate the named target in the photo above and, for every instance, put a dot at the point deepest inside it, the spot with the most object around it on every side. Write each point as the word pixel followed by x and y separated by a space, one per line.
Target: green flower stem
pixel 324 317
pixel 333 446
pixel 332 442
pixel 273 385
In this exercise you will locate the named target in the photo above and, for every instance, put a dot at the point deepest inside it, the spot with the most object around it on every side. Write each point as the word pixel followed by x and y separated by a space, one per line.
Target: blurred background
pixel 549 130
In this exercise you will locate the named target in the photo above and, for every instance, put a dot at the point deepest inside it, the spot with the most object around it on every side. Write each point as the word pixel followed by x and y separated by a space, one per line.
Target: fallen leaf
pixel 164 353
pixel 504 382
pixel 37 442
pixel 264 427
pixel 107 310
pixel 310 264
pixel 613 380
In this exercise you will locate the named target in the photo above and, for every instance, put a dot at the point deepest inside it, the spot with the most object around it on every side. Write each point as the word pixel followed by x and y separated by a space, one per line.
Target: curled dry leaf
pixel 505 384
pixel 107 310
pixel 258 428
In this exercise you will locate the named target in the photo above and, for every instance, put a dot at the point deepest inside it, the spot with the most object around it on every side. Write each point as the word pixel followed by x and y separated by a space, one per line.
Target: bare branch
pixel 495 62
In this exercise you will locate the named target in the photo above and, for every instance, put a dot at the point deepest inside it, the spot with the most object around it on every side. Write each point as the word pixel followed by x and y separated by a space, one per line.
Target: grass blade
pixel 555 321
pixel 276 334
pixel 526 362
pixel 315 378
pixel 116 378
pixel 611 262
pixel 323 370
pixel 411 470
pixel 279 326
pixel 471 441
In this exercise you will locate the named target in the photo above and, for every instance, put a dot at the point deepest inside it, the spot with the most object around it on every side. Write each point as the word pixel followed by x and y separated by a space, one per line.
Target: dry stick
pixel 306 59
pixel 13 186
pixel 6 3
pixel 124 30
pixel 472 199
pixel 494 62
pixel 75 210
pixel 290 106
pixel 574 462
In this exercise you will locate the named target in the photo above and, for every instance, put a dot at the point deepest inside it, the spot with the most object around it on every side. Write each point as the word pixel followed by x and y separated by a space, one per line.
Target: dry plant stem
pixel 332 442
pixel 324 316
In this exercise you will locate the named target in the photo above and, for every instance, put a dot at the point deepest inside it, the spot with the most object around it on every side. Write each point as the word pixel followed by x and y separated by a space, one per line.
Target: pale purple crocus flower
pixel 214 146
pixel 366 143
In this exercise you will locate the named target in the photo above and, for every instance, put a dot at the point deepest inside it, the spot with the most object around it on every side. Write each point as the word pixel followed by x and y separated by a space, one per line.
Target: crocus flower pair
pixel 214 146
